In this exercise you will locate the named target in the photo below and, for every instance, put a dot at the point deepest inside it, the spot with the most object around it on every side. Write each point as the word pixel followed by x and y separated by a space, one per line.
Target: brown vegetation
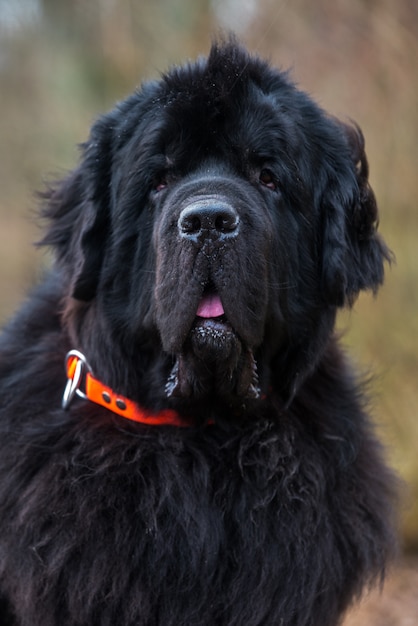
pixel 396 605
pixel 72 60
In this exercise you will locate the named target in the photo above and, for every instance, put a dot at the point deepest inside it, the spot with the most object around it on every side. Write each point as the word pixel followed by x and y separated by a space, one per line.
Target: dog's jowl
pixel 182 440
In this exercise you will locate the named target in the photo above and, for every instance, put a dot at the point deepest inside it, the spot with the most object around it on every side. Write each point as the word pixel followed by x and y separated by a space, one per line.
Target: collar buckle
pixel 76 366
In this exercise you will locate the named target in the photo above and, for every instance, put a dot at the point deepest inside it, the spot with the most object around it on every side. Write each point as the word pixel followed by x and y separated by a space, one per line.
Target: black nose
pixel 210 219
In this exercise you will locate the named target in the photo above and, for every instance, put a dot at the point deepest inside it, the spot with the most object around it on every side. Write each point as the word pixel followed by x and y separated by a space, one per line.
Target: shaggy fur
pixel 223 183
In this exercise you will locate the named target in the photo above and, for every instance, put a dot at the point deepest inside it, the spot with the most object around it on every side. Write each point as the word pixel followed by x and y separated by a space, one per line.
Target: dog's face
pixel 222 213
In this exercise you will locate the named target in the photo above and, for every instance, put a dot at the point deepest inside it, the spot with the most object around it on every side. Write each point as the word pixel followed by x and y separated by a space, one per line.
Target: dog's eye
pixel 160 184
pixel 266 178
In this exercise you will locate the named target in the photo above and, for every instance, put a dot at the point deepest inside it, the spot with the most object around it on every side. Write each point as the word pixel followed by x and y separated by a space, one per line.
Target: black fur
pixel 274 505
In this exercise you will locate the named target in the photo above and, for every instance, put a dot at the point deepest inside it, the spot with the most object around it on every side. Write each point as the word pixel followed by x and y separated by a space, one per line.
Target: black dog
pixel 212 463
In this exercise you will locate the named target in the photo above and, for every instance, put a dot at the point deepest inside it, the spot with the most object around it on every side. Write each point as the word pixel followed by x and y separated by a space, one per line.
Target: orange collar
pixel 79 373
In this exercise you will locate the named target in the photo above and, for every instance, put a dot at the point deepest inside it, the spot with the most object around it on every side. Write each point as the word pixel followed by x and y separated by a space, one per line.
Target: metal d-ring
pixel 72 387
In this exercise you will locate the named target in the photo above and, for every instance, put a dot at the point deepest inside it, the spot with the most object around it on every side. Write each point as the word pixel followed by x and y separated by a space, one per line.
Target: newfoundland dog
pixel 182 441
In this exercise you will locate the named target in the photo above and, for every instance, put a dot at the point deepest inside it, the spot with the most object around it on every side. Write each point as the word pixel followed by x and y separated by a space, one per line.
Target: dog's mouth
pixel 210 305
pixel 214 359
pixel 211 336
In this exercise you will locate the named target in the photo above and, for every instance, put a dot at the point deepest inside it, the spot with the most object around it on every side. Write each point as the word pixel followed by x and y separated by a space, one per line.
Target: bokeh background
pixel 63 62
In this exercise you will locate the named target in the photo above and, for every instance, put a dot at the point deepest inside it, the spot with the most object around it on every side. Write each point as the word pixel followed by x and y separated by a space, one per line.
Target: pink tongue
pixel 210 306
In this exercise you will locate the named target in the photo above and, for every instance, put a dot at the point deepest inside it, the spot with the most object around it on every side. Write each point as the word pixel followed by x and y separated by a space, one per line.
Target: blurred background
pixel 63 62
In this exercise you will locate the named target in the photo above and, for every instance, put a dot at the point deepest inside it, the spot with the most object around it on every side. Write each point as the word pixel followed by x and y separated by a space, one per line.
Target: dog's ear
pixel 96 171
pixel 353 251
pixel 78 210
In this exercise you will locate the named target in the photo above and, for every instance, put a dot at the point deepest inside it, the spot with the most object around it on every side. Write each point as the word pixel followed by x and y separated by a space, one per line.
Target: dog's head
pixel 224 215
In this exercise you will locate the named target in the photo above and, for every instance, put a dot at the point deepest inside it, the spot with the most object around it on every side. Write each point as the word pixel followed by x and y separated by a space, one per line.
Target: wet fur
pixel 268 510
